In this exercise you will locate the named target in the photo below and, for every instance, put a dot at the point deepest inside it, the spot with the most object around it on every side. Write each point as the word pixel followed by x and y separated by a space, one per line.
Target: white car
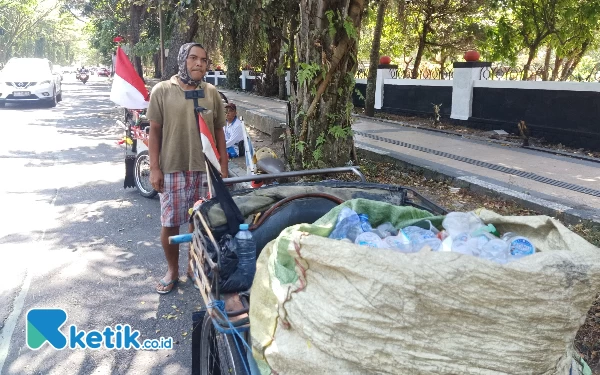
pixel 30 80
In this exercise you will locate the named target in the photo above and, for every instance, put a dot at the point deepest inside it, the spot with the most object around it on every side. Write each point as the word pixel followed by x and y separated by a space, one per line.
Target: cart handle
pixel 310 172
pixel 180 238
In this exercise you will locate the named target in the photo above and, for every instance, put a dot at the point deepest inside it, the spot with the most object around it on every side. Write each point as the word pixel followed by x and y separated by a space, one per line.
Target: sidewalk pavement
pixel 555 185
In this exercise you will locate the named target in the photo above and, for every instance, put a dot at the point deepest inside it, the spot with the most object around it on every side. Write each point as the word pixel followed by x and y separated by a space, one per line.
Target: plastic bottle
pixel 495 250
pixel 347 220
pixel 399 242
pixel 460 244
pixel 245 248
pixel 364 223
pixel 420 238
pixel 369 239
pixel 385 230
pixel 456 223
pixel 356 230
pixel 518 246
pixel 476 244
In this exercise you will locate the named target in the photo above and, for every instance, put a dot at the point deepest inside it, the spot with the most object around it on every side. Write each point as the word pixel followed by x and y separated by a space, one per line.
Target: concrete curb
pixel 542 204
pixel 260 121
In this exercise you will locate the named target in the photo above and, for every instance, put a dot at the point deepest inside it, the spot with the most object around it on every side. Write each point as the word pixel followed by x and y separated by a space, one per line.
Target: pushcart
pixel 220 342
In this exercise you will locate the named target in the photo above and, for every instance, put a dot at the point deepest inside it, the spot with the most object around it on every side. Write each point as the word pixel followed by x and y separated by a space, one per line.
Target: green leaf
pixel 331 23
pixel 320 139
pixel 300 146
pixel 338 132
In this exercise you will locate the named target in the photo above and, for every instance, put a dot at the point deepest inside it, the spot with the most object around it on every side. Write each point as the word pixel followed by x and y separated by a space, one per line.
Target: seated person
pixel 233 131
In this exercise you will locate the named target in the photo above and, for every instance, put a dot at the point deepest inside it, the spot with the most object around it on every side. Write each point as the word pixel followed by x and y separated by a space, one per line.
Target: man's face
pixel 197 63
pixel 231 113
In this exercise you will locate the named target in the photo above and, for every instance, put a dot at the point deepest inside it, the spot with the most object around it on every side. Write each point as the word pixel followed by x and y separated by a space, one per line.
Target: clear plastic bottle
pixel 385 230
pixel 495 250
pixel 518 246
pixel 399 242
pixel 460 244
pixel 369 239
pixel 420 238
pixel 245 248
pixel 456 223
pixel 364 223
pixel 346 222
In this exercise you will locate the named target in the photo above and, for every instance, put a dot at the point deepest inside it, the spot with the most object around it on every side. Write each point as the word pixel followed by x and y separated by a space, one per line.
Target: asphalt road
pixel 72 238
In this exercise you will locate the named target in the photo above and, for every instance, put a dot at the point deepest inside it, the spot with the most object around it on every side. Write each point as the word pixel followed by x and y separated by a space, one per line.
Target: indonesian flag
pixel 128 89
pixel 208 144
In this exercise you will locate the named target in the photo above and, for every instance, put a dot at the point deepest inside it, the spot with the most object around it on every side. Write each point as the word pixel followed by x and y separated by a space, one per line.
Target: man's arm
pixel 156 174
pixel 224 159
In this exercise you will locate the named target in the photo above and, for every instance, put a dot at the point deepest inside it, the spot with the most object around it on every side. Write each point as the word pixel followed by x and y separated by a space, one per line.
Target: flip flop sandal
pixel 165 284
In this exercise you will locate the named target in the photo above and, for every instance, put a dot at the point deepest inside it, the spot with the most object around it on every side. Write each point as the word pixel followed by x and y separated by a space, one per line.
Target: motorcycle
pixel 83 77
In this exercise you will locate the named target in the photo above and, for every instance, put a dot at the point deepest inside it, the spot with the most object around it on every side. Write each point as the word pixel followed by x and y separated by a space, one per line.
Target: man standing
pixel 233 131
pixel 177 166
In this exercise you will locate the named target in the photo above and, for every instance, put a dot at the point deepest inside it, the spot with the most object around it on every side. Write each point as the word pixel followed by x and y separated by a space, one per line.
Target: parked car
pixel 103 72
pixel 30 80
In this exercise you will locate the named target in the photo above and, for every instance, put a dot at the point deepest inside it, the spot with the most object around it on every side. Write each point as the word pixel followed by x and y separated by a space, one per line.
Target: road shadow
pixel 101 265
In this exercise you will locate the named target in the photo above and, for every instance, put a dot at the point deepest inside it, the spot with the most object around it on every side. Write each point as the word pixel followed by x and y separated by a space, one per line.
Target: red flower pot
pixel 385 60
pixel 472 55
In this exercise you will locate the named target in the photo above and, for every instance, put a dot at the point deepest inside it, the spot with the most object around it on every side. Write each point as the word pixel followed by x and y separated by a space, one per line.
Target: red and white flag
pixel 208 144
pixel 128 89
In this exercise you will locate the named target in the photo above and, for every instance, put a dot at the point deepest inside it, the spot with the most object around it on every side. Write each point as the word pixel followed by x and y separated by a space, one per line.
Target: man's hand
pixel 157 180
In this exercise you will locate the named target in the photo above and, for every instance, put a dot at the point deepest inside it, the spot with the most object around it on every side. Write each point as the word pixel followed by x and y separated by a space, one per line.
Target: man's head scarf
pixel 184 74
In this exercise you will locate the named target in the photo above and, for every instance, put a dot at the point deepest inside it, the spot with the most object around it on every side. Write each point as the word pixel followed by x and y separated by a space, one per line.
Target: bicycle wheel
pixel 142 175
pixel 219 354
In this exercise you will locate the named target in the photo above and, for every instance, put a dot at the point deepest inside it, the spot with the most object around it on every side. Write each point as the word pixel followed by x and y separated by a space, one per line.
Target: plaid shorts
pixel 181 191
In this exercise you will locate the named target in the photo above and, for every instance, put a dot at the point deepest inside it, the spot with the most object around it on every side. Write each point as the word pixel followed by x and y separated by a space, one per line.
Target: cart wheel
pixel 142 175
pixel 218 352
pixel 197 320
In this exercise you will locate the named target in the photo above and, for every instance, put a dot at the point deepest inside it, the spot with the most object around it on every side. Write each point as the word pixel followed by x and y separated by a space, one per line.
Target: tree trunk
pixel 135 20
pixel 566 70
pixel 374 60
pixel 322 109
pixel 575 61
pixel 181 34
pixel 406 67
pixel 156 61
pixel 292 55
pixel 233 61
pixel 532 51
pixel 271 81
pixel 421 49
pixel 547 64
pixel 282 68
pixel 557 63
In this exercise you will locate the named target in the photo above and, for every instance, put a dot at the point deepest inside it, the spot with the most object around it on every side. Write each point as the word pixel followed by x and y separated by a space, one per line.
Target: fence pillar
pixel 243 77
pixel 217 76
pixel 465 73
pixel 384 71
pixel 287 83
